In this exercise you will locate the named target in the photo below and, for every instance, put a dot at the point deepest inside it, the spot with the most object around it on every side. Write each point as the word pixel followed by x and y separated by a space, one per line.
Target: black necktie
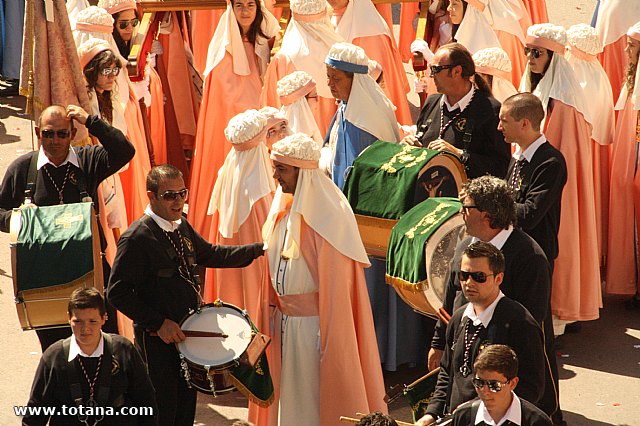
pixel 514 182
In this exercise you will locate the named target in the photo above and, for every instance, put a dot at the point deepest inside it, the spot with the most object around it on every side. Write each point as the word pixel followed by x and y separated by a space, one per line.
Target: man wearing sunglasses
pixel 463 117
pixel 154 282
pixel 59 174
pixel 490 317
pixel 489 213
pixel 496 377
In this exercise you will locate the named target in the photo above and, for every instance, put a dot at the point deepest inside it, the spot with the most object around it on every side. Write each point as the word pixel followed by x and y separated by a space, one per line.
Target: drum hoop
pixel 453 222
pixel 217 304
pixel 444 159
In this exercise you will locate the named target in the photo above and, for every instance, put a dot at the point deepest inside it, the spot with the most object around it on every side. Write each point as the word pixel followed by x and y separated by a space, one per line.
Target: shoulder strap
pixel 82 180
pixel 159 234
pixel 104 378
pixel 430 117
pixel 72 374
pixel 30 188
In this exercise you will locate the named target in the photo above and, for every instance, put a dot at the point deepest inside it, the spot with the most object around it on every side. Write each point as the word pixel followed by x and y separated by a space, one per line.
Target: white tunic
pixel 300 377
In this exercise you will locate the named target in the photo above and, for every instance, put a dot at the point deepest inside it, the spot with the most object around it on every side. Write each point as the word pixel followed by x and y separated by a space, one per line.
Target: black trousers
pixel 176 401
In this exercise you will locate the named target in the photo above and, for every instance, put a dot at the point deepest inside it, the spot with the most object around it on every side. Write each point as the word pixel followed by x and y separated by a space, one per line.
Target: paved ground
pixel 600 366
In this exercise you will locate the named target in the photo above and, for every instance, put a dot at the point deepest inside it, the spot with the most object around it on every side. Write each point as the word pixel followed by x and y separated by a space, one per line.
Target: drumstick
pixel 196 333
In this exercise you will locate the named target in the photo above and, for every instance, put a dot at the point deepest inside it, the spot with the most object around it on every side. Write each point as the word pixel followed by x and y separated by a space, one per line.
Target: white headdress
pixel 317 200
pixel 475 32
pixel 245 176
pixel 495 61
pixel 292 90
pixel 379 121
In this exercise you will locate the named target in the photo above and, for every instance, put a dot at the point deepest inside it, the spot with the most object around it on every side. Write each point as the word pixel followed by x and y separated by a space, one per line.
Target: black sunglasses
pixel 534 51
pixel 470 207
pixel 435 69
pixel 49 134
pixel 479 277
pixel 124 24
pixel 110 71
pixel 493 385
pixel 173 195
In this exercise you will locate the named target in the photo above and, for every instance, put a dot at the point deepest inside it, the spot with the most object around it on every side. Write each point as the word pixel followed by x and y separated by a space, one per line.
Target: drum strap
pixel 169 248
pixel 104 379
pixel 430 117
pixel 30 188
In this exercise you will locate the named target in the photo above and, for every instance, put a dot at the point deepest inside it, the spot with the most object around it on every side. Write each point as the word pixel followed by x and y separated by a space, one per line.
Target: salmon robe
pixel 575 292
pixel 247 287
pixel 225 95
pixel 281 66
pixel 347 367
pixel 614 61
pixel 537 10
pixel 624 206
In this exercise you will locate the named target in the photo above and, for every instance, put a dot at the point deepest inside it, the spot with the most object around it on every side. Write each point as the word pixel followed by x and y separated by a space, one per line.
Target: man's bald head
pixel 53 111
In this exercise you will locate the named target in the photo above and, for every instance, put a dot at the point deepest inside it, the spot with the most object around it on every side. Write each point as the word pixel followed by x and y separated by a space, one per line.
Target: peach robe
pixel 281 66
pixel 203 25
pixel 614 62
pixel 537 10
pixel 622 262
pixel 225 95
pixel 515 50
pixel 248 287
pixel 408 12
pixel 156 118
pixel 575 292
pixel 350 374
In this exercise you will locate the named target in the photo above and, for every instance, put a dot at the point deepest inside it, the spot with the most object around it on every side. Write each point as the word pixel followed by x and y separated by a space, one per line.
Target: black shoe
pixel 574 327
pixel 10 90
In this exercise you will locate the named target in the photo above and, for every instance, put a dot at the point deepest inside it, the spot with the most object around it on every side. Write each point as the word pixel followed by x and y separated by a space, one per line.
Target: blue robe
pixel 350 143
pixel 13 23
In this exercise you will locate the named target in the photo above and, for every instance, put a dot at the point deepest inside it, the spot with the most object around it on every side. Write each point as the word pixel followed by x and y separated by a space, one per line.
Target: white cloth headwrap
pixel 614 19
pixel 560 83
pixel 227 38
pixel 307 44
pixel 324 208
pixel 246 175
pixel 496 62
pixel 504 17
pixel 475 32
pixel 73 8
pixel 596 85
pixel 301 119
pixel 380 121
pixel 361 19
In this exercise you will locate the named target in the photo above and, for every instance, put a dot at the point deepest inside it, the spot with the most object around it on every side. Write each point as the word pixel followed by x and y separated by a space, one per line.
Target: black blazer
pixel 465 415
pixel 539 195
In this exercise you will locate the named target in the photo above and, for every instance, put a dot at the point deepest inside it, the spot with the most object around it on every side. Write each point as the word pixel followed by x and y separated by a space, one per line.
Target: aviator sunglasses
pixel 493 385
pixel 124 24
pixel 49 134
pixel 479 277
pixel 536 53
pixel 110 71
pixel 173 195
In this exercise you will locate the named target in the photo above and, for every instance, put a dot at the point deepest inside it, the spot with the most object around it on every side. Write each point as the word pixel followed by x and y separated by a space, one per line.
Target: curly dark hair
pixel 91 72
pixel 376 419
pixel 492 196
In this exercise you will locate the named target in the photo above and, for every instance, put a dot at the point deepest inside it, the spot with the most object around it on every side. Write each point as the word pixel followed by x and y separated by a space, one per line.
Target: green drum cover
pixel 54 245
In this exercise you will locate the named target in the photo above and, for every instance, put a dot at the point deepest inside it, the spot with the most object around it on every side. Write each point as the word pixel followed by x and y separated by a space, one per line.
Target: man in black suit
pixel 489 318
pixel 463 117
pixel 537 172
pixel 489 213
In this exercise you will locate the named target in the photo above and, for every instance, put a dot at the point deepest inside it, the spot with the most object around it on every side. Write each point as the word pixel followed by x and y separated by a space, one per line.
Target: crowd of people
pixel 229 148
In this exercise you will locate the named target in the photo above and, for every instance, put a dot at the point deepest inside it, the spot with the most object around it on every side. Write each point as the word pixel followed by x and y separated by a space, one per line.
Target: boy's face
pixel 502 398
pixel 86 325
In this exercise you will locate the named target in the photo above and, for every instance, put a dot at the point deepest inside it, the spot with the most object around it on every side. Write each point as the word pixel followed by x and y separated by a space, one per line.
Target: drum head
pixel 440 250
pixel 216 351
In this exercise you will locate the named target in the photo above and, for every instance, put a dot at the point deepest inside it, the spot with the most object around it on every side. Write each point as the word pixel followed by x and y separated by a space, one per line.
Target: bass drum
pixel 421 247
pixel 387 180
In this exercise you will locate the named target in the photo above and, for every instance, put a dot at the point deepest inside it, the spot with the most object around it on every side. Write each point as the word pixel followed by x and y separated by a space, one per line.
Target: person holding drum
pixel 463 117
pixel 59 174
pixel 324 352
pixel 91 369
pixel 154 282
pixel 489 318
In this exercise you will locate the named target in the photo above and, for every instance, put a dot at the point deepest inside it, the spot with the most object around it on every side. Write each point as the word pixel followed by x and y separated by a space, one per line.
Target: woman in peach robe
pixel 508 22
pixel 624 205
pixel 576 291
pixel 241 200
pixel 232 84
pixel 359 23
